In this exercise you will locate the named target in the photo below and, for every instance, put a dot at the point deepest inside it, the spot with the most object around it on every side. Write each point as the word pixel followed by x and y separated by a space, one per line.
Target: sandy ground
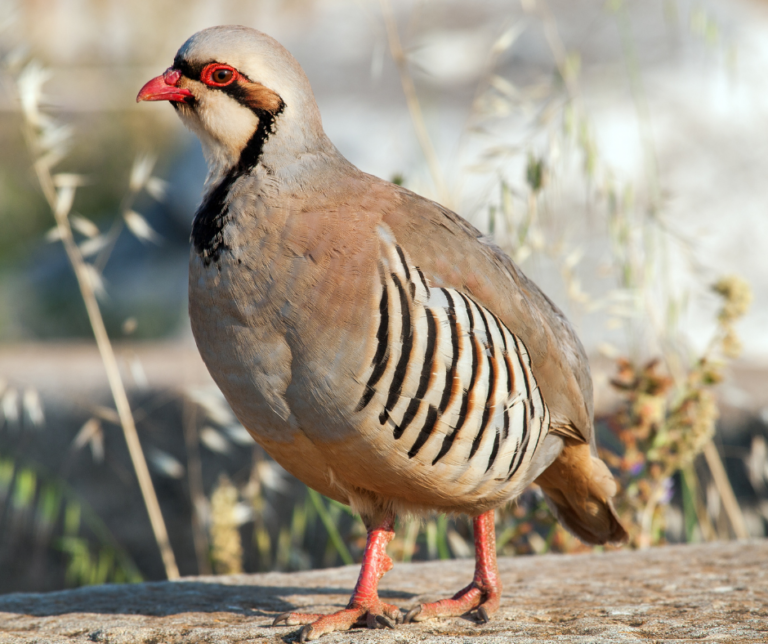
pixel 713 593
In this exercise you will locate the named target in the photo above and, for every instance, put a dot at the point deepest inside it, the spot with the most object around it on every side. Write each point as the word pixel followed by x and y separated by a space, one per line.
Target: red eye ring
pixel 218 75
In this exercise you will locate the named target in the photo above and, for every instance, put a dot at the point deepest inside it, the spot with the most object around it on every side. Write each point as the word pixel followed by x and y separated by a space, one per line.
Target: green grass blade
pixel 330 527
pixel 442 537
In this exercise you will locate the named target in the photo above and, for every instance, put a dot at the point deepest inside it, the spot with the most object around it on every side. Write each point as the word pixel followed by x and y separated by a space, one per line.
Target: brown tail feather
pixel 579 488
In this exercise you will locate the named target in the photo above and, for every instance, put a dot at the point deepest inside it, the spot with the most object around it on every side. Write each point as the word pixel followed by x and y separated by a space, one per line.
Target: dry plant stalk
pixel 59 191
pixel 196 491
pixel 412 100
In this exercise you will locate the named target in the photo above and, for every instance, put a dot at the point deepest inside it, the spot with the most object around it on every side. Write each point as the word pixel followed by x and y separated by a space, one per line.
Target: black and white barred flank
pixel 456 386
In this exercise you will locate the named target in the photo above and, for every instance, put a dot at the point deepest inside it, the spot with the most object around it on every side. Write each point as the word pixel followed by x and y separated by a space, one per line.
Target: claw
pixel 383 621
pixel 364 607
pixel 411 614
pixel 398 617
pixel 482 597
pixel 282 618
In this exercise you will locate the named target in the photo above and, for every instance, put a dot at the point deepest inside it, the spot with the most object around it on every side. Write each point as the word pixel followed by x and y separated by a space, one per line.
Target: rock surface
pixel 712 592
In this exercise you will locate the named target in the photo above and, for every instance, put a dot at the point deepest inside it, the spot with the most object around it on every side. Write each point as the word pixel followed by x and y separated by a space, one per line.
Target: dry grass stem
pixel 554 40
pixel 196 491
pixel 725 490
pixel 412 100
pixel 708 532
pixel 115 384
pixel 60 200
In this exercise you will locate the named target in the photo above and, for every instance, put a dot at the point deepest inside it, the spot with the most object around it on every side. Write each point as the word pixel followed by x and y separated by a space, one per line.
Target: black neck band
pixel 213 213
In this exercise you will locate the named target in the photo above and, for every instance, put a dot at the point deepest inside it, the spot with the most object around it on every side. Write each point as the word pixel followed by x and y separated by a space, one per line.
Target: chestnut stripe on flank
pixel 491 389
pixel 406 336
pixel 469 312
pixel 429 356
pixel 511 384
pixel 464 411
pixel 488 407
pixel 381 357
pixel 450 375
pixel 494 451
pixel 541 432
pixel 411 285
pixel 525 366
pixel 487 330
pixel 408 416
pixel 513 467
pixel 526 381
pixel 423 280
pixel 515 456
pixel 426 431
pixel 502 331
pixel 448 440
pixel 426 372
pixel 544 425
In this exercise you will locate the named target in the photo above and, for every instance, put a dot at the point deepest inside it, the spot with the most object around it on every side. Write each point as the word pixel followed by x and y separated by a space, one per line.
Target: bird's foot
pixel 375 614
pixel 482 596
pixel 364 608
pixel 483 602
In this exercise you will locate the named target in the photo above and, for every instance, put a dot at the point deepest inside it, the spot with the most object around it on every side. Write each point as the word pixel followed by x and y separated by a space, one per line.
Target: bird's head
pixel 240 92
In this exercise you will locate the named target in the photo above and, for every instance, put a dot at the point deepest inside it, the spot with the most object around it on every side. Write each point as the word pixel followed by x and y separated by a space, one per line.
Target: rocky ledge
pixel 714 592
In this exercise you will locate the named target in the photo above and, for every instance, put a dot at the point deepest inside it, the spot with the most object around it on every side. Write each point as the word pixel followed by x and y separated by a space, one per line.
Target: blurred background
pixel 616 150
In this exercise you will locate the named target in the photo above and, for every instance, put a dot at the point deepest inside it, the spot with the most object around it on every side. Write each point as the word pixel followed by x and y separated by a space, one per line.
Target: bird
pixel 373 342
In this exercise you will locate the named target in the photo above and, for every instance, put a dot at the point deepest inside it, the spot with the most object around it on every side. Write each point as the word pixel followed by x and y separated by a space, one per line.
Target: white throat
pixel 224 128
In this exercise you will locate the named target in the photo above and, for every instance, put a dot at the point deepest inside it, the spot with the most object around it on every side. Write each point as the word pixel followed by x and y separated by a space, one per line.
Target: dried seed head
pixel 737 296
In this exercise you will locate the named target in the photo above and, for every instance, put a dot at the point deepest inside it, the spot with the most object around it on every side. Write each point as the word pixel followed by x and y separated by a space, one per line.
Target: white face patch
pixel 223 126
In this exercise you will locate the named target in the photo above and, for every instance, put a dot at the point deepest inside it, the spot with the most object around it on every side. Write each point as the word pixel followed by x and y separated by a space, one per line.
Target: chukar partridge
pixel 373 342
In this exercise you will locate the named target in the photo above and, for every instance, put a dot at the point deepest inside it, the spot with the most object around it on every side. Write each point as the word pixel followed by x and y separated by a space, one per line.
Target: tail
pixel 578 488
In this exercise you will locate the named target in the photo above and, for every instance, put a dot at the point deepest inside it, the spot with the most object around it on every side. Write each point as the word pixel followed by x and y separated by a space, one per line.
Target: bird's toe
pixel 482 603
pixel 295 619
pixel 379 616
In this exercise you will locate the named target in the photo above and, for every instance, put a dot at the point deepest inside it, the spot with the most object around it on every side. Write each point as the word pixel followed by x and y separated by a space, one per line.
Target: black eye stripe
pixel 191 71
pixel 194 71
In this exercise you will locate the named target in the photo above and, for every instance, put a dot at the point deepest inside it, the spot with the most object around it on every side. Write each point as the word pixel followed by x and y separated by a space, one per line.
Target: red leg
pixel 365 607
pixel 484 593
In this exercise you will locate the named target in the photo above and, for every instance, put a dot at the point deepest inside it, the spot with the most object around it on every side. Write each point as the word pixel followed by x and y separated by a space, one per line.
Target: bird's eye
pixel 218 75
pixel 222 75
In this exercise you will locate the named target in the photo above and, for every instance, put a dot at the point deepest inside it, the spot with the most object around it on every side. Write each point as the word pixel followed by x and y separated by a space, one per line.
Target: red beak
pixel 164 88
